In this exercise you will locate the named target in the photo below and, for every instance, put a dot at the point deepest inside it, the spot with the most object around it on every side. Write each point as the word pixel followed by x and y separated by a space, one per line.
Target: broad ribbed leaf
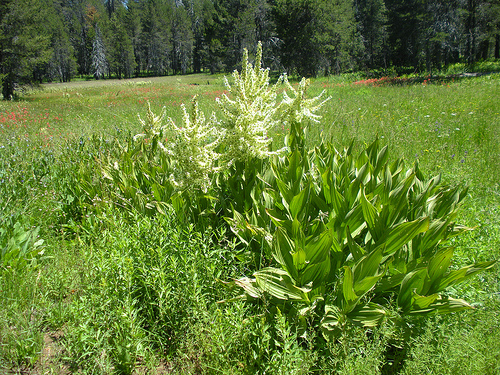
pixel 338 201
pixel 348 285
pixel 401 234
pixel 363 286
pixel 285 191
pixel 367 265
pixel 413 282
pixel 370 214
pixel 299 202
pixel 315 274
pixel 279 284
pixel 388 283
pixel 354 220
pixel 382 157
pixel 332 321
pixel 437 267
pixel 457 276
pixel 318 248
pixel 435 234
pixel 353 190
pixel 299 258
pixel 356 250
pixel 369 315
pixel 293 166
pixel 319 202
pixel 399 197
pixel 283 250
pixel 421 303
pixel 387 183
pixel 249 286
pixel 444 305
pixel 327 179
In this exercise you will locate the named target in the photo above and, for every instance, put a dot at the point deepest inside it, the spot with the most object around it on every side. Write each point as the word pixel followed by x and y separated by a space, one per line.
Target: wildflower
pixel 297 107
pixel 152 126
pixel 251 114
pixel 193 149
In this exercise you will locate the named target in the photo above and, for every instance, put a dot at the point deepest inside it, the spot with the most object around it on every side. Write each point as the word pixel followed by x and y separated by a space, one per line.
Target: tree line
pixel 55 40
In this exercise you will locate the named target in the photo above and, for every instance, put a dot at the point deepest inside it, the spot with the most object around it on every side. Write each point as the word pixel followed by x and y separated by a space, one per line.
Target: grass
pixel 130 294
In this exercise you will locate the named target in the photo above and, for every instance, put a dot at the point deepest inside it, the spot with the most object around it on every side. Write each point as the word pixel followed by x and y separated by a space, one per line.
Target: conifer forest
pixel 57 40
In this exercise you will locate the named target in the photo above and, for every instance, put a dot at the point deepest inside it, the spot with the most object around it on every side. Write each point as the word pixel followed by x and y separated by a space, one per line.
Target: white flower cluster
pixel 296 107
pixel 192 148
pixel 152 126
pixel 251 114
pixel 200 147
pixel 254 111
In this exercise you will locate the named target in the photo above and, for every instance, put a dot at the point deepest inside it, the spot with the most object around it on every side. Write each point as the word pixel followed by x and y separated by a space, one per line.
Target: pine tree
pixel 24 42
pixel 156 25
pixel 121 53
pixel 62 65
pixel 99 62
pixel 336 36
pixel 182 40
pixel 371 16
pixel 296 25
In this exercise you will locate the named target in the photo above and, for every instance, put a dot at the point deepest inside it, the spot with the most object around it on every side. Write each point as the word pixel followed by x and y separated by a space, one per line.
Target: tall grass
pixel 129 294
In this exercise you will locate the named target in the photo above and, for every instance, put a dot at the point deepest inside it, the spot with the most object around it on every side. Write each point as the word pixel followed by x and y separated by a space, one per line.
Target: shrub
pixel 349 234
pixel 335 238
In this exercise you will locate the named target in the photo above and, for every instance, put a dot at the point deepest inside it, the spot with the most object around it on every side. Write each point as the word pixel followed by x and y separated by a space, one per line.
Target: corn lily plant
pixel 332 236
pixel 346 233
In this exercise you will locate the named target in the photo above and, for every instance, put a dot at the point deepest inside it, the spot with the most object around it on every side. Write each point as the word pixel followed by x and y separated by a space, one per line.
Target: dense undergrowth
pixel 115 266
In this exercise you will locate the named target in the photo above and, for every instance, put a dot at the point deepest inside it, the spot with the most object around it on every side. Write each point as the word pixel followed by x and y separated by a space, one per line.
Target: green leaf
pixel 388 283
pixel 354 220
pixel 283 248
pixel 399 197
pixel 368 265
pixel 299 258
pixel 249 286
pixel 462 274
pixel 332 322
pixel 382 158
pixel 279 284
pixel 421 303
pixel 326 178
pixel 363 286
pixel 402 234
pixel 369 315
pixel 356 250
pixel 348 286
pixel 437 267
pixel 353 190
pixel 435 234
pixel 318 248
pixel 315 274
pixel 299 202
pixel 413 282
pixel 445 305
pixel 370 214
pixel 286 193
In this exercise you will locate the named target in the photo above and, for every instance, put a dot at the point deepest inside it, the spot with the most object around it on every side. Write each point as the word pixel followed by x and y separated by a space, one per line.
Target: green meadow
pixel 89 287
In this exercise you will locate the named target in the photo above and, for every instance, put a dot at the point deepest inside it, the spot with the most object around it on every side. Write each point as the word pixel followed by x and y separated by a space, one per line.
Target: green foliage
pixel 19 247
pixel 202 165
pixel 25 42
pixel 135 291
pixel 340 234
pixel 348 232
